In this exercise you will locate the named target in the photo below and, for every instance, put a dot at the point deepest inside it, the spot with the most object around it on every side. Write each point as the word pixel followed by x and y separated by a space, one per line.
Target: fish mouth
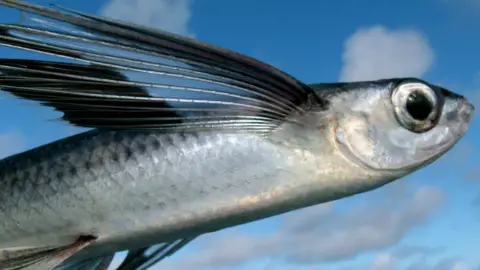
pixel 443 145
pixel 467 111
pixel 345 148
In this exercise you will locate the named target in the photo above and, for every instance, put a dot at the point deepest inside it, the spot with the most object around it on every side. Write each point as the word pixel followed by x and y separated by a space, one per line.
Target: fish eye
pixel 417 106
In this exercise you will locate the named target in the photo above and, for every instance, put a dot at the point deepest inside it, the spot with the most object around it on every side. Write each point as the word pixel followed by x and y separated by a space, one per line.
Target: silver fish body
pixel 147 187
pixel 225 140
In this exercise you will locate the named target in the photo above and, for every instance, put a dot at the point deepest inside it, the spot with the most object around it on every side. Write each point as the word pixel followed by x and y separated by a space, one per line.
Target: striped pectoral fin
pixel 182 84
pixel 99 263
pixel 42 258
pixel 144 258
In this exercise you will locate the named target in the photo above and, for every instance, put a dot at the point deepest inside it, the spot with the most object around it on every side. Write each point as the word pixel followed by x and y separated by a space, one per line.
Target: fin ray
pixel 45 258
pixel 199 82
pixel 143 258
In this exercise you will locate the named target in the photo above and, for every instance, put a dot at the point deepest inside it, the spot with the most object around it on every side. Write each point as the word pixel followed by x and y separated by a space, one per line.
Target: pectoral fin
pixel 100 263
pixel 144 258
pixel 182 84
pixel 41 258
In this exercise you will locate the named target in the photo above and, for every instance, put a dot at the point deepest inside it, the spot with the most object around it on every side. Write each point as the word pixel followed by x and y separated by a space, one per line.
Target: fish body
pixel 124 186
pixel 245 142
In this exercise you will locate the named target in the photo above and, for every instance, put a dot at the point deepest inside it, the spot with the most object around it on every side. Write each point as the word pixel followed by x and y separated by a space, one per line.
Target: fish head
pixel 397 125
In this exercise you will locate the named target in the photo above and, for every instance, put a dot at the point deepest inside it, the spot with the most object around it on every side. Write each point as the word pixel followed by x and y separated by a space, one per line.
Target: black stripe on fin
pixel 61 85
pixel 144 258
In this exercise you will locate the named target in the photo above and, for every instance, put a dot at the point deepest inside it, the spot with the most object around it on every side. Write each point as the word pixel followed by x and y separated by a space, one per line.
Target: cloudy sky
pixel 427 221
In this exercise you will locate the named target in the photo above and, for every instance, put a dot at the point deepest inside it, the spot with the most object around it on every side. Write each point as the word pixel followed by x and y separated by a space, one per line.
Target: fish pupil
pixel 419 106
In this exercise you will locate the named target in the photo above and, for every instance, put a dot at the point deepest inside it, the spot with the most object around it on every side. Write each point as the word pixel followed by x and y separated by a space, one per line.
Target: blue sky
pixel 428 220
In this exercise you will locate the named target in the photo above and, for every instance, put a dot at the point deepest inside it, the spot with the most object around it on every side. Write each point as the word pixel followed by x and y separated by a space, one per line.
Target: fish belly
pixel 130 188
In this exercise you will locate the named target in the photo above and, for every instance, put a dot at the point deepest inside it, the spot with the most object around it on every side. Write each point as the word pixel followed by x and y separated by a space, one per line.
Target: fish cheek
pixel 354 138
pixel 368 141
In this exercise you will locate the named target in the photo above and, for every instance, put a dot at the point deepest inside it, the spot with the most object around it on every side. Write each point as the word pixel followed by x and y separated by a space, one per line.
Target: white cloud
pixel 443 264
pixel 168 15
pixel 459 265
pixel 377 52
pixel 423 259
pixel 11 143
pixel 384 261
pixel 321 233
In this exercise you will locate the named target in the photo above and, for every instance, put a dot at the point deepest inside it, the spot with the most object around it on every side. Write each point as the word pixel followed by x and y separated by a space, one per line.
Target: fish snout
pixel 466 112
